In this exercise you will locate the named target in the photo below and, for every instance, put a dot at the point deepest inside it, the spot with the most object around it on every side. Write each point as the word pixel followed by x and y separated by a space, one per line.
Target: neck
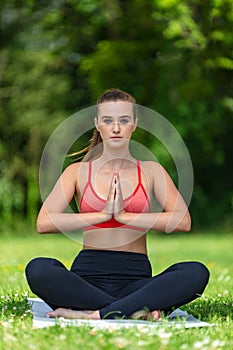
pixel 116 160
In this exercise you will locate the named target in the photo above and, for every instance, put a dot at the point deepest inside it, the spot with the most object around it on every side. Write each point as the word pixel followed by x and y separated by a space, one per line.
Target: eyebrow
pixel 122 116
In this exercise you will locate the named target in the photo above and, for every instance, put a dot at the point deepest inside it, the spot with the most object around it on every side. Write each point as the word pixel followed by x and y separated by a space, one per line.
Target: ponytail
pixel 91 152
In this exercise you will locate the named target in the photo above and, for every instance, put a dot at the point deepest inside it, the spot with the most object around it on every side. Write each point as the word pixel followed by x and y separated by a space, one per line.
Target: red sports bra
pixel 137 202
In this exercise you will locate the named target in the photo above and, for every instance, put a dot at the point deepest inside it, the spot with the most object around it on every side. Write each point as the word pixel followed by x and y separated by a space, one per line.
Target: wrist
pixel 106 216
pixel 121 216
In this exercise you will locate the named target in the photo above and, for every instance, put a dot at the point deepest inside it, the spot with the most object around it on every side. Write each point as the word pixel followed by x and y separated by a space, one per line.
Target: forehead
pixel 115 109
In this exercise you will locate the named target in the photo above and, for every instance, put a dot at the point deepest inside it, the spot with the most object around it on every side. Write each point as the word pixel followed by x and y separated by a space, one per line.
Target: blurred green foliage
pixel 174 56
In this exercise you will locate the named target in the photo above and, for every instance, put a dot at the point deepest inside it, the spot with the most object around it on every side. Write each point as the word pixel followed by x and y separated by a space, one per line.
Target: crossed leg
pixel 73 297
pixel 58 287
pixel 68 294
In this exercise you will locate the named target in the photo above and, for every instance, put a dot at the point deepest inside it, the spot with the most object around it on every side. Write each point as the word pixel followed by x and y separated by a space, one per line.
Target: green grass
pixel 215 306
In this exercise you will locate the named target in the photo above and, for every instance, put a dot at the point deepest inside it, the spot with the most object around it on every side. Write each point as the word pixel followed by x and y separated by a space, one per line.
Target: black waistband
pixel 111 262
pixel 111 253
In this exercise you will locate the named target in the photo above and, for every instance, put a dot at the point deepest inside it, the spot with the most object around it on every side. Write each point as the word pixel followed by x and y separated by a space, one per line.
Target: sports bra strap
pixel 89 172
pixel 139 172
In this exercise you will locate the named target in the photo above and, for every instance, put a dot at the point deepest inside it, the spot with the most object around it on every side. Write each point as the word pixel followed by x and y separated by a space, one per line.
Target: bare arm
pixel 175 215
pixel 52 219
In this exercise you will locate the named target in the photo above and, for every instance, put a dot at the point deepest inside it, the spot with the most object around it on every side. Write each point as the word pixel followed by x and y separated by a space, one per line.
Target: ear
pixel 135 124
pixel 96 123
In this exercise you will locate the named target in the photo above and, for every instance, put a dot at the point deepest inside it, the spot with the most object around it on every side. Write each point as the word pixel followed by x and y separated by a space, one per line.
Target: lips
pixel 116 138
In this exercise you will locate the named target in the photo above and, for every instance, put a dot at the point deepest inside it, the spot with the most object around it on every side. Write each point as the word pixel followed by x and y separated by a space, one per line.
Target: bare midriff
pixel 119 239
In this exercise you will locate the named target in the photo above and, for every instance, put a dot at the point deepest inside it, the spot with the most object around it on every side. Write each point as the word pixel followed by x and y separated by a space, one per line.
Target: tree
pixel 174 56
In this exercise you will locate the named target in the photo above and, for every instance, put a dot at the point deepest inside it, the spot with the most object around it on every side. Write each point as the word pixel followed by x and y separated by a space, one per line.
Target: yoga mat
pixel 178 318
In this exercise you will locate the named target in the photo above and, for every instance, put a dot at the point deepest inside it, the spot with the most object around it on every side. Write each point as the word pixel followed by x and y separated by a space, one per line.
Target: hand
pixel 109 206
pixel 118 201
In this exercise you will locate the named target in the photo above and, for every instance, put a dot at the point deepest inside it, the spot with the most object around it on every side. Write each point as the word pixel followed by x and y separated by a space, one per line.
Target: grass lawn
pixel 215 306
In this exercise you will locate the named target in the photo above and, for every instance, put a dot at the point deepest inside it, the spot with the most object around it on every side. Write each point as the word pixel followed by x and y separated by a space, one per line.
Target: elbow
pixel 44 222
pixel 179 224
pixel 40 227
pixel 43 226
pixel 186 223
pixel 182 224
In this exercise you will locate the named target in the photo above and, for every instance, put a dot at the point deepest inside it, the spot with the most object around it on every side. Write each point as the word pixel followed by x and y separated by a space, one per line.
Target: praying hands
pixel 115 204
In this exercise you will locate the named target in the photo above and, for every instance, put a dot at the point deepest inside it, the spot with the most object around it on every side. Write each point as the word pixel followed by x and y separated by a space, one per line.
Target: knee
pixel 35 271
pixel 200 274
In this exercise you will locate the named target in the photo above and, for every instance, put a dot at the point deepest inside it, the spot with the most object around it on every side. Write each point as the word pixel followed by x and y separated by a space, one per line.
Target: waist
pixel 95 262
pixel 116 239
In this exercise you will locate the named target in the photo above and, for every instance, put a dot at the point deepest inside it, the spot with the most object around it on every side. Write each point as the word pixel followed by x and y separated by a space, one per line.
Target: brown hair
pixel 95 149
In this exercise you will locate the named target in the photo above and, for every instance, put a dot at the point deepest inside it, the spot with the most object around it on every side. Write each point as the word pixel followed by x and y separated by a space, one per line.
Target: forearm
pixel 165 221
pixel 63 222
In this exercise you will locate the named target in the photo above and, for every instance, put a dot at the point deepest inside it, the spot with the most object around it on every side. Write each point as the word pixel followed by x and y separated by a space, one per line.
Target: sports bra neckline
pixel 104 199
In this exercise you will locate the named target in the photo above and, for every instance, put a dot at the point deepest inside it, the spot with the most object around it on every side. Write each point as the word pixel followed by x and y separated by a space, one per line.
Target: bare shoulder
pixel 151 167
pixel 71 169
pixel 76 175
pixel 159 177
pixel 78 172
pixel 76 168
pixel 155 173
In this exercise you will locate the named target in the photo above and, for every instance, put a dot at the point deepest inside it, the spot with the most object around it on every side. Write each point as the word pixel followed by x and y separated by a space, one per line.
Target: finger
pixel 118 203
pixel 118 188
pixel 117 191
pixel 112 189
pixel 117 177
pixel 111 193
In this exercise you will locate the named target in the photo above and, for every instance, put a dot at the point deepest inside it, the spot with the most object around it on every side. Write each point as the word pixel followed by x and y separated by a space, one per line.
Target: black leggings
pixel 114 282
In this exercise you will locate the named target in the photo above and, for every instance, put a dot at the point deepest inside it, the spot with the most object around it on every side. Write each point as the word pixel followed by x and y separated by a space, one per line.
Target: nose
pixel 116 127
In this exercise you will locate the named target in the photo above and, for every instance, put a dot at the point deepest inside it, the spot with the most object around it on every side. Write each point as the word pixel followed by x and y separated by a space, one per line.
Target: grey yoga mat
pixel 178 318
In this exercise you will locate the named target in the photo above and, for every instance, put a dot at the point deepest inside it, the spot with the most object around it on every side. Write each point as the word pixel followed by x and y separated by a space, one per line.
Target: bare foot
pixel 74 314
pixel 155 315
pixel 148 316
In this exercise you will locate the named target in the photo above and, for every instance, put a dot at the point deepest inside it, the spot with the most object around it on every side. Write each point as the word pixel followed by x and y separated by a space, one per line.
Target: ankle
pixel 95 315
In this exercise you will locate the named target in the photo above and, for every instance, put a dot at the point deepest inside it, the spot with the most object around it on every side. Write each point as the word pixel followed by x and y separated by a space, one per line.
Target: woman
pixel 111 276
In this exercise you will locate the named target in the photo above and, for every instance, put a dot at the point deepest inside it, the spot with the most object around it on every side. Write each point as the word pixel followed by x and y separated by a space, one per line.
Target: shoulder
pixel 78 171
pixel 76 168
pixel 154 172
pixel 73 168
pixel 152 167
pixel 72 171
pixel 75 173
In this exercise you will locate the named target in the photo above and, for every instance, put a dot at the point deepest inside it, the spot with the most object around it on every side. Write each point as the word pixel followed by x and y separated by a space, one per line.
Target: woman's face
pixel 115 122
